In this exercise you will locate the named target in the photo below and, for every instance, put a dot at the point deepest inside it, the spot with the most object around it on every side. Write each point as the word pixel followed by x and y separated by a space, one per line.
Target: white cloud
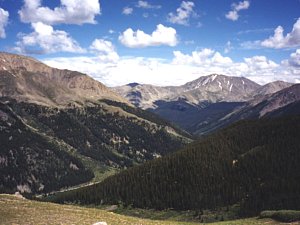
pixel 69 12
pixel 206 57
pixel 105 50
pixel 241 5
pixel 45 39
pixel 127 11
pixel 183 13
pixel 139 39
pixel 100 45
pixel 146 5
pixel 3 22
pixel 233 14
pixel 278 40
pixel 294 60
pixel 260 63
pixel 228 47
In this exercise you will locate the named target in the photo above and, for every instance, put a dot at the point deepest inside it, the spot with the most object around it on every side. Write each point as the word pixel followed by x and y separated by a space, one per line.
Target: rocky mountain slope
pixel 219 88
pixel 68 114
pixel 285 102
pixel 26 79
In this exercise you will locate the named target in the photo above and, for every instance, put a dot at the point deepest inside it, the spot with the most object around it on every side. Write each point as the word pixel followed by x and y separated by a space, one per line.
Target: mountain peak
pixel 10 62
pixel 217 87
pixel 132 85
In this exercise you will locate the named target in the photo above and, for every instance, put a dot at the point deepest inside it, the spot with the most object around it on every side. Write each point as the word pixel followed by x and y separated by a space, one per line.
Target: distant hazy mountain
pixel 68 122
pixel 217 88
pixel 271 88
pixel 212 88
pixel 144 95
pixel 199 106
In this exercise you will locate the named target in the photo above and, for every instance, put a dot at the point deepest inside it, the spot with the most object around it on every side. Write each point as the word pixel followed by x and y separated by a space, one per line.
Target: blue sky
pixel 158 42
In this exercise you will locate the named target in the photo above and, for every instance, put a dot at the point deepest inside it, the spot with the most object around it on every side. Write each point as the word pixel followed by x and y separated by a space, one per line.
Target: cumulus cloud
pixel 260 63
pixel 294 59
pixel 183 13
pixel 69 12
pixel 139 39
pixel 105 50
pixel 206 57
pixel 127 11
pixel 3 22
pixel 147 5
pixel 233 14
pixel 278 40
pixel 45 39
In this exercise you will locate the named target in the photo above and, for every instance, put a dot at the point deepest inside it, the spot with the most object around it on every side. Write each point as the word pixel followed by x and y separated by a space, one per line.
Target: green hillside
pixel 253 163
pixel 47 148
pixel 30 163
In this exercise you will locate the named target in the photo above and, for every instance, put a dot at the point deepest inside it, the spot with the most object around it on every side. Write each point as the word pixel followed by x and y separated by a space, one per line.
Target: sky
pixel 157 42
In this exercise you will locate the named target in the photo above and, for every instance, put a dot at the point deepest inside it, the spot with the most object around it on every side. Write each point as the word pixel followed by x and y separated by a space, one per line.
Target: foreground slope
pixel 14 210
pixel 253 163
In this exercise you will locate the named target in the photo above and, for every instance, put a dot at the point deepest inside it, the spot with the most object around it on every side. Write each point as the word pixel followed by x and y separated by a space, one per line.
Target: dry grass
pixel 14 210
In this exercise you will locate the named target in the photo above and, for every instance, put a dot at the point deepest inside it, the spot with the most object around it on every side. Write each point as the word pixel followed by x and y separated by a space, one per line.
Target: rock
pixel 100 223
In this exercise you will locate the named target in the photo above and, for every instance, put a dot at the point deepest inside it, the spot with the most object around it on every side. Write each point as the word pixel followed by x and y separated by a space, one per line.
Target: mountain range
pixel 203 105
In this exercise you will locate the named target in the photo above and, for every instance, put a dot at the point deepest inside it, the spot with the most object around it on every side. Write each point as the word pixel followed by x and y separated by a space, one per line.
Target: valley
pixel 148 112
